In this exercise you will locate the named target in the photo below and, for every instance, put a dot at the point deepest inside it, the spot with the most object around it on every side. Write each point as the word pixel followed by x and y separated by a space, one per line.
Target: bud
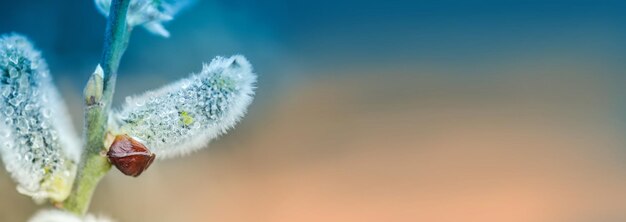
pixel 148 13
pixel 129 155
pixel 95 85
pixel 184 116
pixel 37 142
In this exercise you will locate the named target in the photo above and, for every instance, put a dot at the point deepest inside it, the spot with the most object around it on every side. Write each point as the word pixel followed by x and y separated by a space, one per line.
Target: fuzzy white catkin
pixel 148 13
pixel 37 141
pixel 63 216
pixel 184 116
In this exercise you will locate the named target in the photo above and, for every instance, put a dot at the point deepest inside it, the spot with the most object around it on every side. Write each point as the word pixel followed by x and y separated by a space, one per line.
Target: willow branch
pixel 98 95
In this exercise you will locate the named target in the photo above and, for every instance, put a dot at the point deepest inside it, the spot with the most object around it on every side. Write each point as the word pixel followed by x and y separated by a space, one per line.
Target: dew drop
pixel 13 59
pixel 8 121
pixel 139 102
pixel 185 84
pixel 28 156
pixel 22 124
pixel 54 135
pixel 37 142
pixel 6 134
pixel 9 111
pixel 43 125
pixel 6 92
pixel 46 113
pixel 23 141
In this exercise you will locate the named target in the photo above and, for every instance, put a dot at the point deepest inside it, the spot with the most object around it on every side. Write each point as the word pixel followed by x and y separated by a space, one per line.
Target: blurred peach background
pixel 531 145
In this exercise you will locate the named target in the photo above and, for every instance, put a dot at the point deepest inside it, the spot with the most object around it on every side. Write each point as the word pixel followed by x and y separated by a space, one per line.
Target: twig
pixel 93 164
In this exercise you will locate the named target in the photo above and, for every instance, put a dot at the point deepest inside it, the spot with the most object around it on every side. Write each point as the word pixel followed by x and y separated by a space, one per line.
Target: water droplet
pixel 139 102
pixel 185 84
pixel 9 111
pixel 54 135
pixel 6 133
pixel 6 92
pixel 23 140
pixel 15 101
pixel 13 59
pixel 46 113
pixel 22 124
pixel 37 142
pixel 43 125
pixel 8 121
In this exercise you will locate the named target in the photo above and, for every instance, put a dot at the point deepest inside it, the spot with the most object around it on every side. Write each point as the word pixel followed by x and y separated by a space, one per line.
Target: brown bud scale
pixel 129 155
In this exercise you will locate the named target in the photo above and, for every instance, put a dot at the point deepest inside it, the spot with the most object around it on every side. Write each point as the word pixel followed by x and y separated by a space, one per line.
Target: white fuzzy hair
pixel 51 215
pixel 217 97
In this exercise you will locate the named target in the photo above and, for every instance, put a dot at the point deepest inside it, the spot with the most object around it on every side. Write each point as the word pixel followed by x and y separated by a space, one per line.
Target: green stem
pixel 94 164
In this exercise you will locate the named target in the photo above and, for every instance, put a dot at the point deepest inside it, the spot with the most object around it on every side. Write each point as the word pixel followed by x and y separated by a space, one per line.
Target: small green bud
pixel 94 88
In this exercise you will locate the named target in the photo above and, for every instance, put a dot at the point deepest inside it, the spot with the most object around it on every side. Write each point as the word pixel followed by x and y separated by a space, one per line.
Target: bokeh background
pixel 423 110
